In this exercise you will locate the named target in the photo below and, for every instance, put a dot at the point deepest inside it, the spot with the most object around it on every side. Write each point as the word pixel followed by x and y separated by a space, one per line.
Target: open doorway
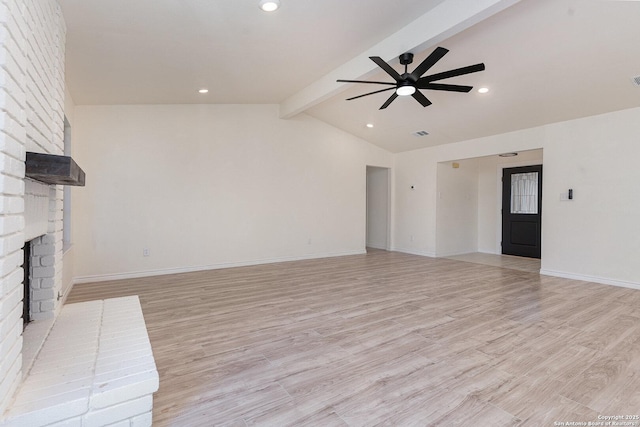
pixel 469 209
pixel 377 208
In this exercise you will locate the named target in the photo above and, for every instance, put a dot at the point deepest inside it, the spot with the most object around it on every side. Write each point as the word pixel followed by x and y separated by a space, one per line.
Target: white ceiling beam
pixel 448 18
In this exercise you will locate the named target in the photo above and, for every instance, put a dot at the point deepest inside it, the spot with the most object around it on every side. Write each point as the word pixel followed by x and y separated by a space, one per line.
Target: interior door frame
pixel 389 213
pixel 521 249
pixel 499 173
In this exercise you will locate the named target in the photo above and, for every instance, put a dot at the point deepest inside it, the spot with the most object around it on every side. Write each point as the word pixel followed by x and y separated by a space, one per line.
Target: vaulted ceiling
pixel 546 60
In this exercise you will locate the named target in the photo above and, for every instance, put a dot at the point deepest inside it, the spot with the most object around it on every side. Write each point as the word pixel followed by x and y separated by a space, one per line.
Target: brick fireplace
pixel 99 377
pixel 41 210
pixel 32 95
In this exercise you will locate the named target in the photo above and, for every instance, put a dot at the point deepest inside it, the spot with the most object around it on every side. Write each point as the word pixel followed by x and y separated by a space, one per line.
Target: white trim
pixel 165 271
pixel 594 279
pixel 374 246
pixel 500 172
pixel 448 254
pixel 415 252
pixel 389 199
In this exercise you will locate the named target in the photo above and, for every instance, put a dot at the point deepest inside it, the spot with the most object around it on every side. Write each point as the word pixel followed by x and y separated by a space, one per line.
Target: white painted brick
pixel 48 239
pixel 119 412
pixel 11 127
pixel 10 262
pixel 10 321
pixel 34 308
pixel 144 420
pixel 11 243
pixel 47 260
pixel 12 167
pixel 47 306
pixel 72 422
pixel 39 249
pixel 55 409
pixel 12 106
pixel 125 388
pixel 34 283
pixel 11 147
pixel 11 300
pixel 13 348
pixel 42 295
pixel 39 272
pixel 11 380
pixel 47 282
pixel 10 185
pixel 42 316
pixel 12 280
pixel 11 224
pixel 68 358
pixel 7 36
pixel 10 64
pixel 16 20
pixel 32 38
pixel 10 205
pixel 4 13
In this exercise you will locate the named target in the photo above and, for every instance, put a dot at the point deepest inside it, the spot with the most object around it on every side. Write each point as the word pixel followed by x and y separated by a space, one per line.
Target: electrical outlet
pixel 145 252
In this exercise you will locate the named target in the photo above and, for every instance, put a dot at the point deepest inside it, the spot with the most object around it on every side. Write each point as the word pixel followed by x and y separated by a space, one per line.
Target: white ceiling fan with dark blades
pixel 411 83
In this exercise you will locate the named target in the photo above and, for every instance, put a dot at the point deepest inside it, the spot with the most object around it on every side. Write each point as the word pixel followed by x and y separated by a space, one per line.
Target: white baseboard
pixel 376 246
pixel 414 252
pixel 447 254
pixel 594 279
pixel 165 271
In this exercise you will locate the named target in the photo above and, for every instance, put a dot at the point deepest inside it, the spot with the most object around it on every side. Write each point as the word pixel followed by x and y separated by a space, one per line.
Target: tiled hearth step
pixel 95 368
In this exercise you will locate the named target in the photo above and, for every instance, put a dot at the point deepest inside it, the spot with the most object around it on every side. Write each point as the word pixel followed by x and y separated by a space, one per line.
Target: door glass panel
pixel 524 193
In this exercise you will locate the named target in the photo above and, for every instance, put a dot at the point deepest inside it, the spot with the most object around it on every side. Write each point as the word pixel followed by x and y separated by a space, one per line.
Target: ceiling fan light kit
pixel 411 83
pixel 405 89
pixel 269 5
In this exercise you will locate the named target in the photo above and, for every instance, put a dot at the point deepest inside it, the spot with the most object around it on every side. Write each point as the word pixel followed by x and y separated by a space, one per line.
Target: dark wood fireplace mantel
pixel 53 169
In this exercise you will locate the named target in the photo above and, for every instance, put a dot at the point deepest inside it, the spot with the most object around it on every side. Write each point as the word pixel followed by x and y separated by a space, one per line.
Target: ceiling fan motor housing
pixel 406 58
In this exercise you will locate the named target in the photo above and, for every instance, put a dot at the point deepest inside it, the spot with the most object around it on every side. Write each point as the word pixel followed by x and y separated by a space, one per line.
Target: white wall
pixel 204 186
pixel 377 207
pixel 457 208
pixel 490 196
pixel 593 237
pixel 596 235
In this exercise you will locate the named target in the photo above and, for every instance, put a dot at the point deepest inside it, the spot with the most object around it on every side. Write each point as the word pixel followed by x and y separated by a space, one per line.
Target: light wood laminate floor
pixel 385 339
pixel 532 265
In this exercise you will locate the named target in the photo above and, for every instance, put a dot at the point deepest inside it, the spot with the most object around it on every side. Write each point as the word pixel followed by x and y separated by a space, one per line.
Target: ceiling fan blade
pixel 386 67
pixel 389 101
pixel 452 73
pixel 446 87
pixel 371 93
pixel 429 62
pixel 365 81
pixel 418 96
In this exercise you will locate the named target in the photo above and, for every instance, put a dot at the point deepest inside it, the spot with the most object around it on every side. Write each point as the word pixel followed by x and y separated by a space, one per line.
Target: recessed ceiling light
pixel 269 5
pixel 203 91
pixel 369 125
pixel 483 90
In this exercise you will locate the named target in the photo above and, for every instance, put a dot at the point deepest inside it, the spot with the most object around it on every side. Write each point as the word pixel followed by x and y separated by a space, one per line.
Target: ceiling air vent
pixel 420 133
pixel 636 80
